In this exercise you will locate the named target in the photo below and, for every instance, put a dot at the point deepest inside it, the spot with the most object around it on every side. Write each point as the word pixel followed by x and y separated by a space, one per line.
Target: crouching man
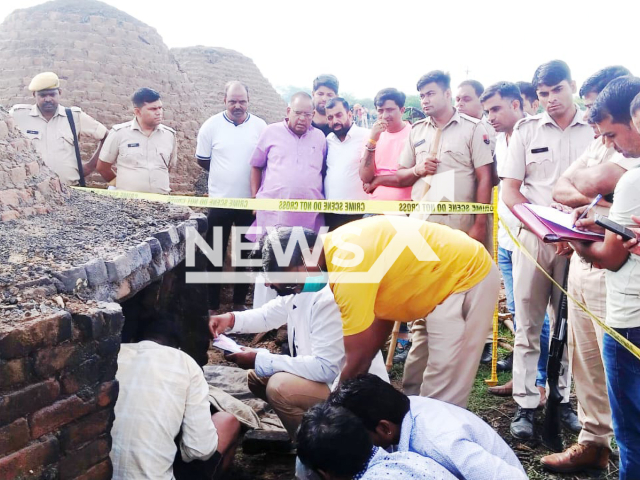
pixel 293 384
pixel 164 400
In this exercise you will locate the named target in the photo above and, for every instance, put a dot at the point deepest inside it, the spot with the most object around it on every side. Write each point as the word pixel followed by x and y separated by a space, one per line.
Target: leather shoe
pixel 569 418
pixel 486 354
pixel 522 424
pixel 506 364
pixel 505 390
pixel 577 458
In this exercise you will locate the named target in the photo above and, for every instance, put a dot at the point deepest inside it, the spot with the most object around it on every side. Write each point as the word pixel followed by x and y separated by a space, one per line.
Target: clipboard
pixel 551 225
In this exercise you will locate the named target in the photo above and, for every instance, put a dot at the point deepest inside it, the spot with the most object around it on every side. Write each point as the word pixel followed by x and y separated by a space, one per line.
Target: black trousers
pixel 225 219
pixel 335 220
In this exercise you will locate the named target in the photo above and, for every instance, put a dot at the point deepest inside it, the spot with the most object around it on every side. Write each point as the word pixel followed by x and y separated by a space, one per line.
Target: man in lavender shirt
pixel 288 163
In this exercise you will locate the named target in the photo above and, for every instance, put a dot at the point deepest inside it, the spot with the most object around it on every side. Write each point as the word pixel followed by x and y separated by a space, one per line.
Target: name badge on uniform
pixel 417 144
pixel 133 145
pixel 540 150
pixel 33 132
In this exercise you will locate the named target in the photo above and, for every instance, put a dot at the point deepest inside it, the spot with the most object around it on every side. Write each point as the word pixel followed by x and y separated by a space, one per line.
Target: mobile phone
pixel 614 227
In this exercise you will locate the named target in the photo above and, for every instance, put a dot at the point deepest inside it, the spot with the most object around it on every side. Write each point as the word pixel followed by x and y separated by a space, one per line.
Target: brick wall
pixel 27 186
pixel 211 68
pixel 57 392
pixel 102 56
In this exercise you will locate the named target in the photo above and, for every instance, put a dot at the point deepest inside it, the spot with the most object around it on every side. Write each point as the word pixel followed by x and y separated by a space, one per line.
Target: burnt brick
pixel 113 318
pixel 90 326
pixel 85 430
pixel 60 413
pixel 108 347
pixel 34 334
pixel 108 368
pixel 102 471
pixel 32 457
pixel 108 393
pixel 27 400
pixel 86 374
pixel 79 461
pixel 14 372
pixel 53 359
pixel 14 436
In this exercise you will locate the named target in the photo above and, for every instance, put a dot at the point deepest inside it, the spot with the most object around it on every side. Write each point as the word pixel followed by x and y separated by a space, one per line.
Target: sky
pixel 370 45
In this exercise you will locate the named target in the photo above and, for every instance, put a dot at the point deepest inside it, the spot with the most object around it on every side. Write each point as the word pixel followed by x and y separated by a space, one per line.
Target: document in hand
pixel 225 343
pixel 551 225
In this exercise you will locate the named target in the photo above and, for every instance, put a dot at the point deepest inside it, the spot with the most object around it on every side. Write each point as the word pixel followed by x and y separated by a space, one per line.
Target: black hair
pixel 371 399
pixel 596 82
pixel 551 74
pixel 615 100
pixel 476 85
pixel 163 328
pixel 438 76
pixel 283 236
pixel 528 91
pixel 333 440
pixel 333 102
pixel 507 90
pixel 144 95
pixel 392 94
pixel 326 80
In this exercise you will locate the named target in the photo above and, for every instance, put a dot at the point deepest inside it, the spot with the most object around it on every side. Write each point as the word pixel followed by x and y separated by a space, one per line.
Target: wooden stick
pixel 432 154
pixel 392 345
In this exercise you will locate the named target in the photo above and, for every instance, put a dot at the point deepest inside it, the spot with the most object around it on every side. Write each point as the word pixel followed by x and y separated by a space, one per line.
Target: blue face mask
pixel 315 283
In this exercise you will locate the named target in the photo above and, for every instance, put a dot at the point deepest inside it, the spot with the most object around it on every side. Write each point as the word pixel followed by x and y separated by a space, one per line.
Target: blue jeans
pixel 623 386
pixel 506 267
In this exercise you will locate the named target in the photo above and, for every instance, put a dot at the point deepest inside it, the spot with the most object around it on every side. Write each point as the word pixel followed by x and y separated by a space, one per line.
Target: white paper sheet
pixel 225 343
pixel 557 217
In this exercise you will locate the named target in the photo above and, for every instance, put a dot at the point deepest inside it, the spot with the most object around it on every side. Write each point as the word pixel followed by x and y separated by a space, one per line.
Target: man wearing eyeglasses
pixel 288 163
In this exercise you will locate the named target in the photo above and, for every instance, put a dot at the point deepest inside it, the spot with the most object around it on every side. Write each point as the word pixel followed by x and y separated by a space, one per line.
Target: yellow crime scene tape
pixel 493 381
pixel 615 335
pixel 352 207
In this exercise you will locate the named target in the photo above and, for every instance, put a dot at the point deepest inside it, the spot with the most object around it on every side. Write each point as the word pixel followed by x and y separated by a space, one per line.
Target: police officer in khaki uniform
pixel 463 162
pixel 46 124
pixel 143 149
pixel 468 102
pixel 596 171
pixel 541 149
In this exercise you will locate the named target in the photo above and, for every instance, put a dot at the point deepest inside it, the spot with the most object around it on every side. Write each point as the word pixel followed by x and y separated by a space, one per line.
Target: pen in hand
pixel 586 211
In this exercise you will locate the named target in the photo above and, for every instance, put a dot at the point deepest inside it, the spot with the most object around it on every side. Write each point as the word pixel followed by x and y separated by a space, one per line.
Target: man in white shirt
pixel 345 145
pixel 452 436
pixel 163 394
pixel 225 144
pixel 293 384
pixel 612 113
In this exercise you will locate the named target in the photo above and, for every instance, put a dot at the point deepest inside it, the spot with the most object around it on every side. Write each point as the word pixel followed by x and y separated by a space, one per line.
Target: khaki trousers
pixel 447 345
pixel 587 285
pixel 289 395
pixel 532 292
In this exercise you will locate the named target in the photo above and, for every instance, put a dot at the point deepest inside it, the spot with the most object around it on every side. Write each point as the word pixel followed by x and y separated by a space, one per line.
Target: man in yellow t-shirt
pixel 388 268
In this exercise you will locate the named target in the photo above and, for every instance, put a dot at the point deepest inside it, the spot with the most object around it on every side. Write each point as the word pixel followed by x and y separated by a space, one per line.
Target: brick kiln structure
pixel 210 68
pixel 102 55
pixel 61 326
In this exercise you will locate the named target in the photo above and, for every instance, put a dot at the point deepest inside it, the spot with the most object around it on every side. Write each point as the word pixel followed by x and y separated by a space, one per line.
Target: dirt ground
pixel 496 411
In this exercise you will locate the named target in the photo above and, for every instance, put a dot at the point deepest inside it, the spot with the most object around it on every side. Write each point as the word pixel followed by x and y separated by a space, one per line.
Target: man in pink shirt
pixel 382 151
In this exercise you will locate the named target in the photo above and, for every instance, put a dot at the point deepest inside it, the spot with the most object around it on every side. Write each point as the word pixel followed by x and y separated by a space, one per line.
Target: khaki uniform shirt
pixel 596 154
pixel 540 151
pixel 53 139
pixel 492 133
pixel 464 146
pixel 143 162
